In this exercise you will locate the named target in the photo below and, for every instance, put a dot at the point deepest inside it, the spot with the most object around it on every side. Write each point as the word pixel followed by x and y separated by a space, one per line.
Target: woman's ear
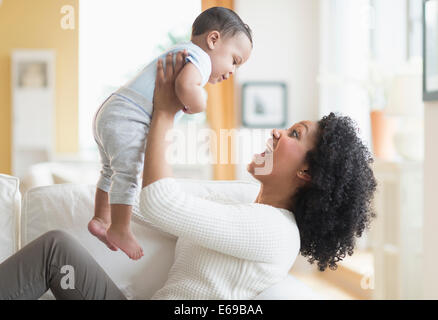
pixel 212 38
pixel 304 174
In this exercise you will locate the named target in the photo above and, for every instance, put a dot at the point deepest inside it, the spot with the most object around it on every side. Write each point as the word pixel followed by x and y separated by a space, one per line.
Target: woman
pixel 315 201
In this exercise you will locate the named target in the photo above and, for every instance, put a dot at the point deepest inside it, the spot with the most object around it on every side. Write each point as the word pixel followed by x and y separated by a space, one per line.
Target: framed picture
pixel 264 104
pixel 430 50
pixel 32 74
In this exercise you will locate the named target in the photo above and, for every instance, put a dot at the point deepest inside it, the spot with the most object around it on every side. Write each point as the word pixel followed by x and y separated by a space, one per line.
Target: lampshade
pixel 405 95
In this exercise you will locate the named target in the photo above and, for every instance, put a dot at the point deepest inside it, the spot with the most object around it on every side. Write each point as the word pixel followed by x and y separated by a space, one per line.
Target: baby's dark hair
pixel 335 207
pixel 224 20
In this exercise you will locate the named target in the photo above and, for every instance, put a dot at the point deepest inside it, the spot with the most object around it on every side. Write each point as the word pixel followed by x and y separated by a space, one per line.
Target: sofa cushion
pixel 69 207
pixel 10 200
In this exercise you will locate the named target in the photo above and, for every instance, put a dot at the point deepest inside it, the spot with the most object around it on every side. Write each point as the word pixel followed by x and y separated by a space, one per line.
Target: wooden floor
pixel 325 288
pixel 342 284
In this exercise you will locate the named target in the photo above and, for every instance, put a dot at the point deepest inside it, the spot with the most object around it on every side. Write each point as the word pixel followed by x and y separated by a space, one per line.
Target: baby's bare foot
pixel 98 228
pixel 125 240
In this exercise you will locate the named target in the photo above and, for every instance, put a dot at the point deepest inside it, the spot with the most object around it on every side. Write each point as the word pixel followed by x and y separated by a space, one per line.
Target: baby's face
pixel 229 53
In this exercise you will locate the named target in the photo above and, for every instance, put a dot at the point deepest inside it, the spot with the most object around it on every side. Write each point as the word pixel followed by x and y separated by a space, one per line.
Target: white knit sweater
pixel 223 251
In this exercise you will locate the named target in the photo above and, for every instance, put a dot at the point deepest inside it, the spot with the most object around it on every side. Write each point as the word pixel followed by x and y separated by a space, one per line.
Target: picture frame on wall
pixel 430 50
pixel 264 104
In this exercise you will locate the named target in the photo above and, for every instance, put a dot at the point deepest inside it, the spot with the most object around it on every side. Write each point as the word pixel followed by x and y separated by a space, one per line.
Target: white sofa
pixel 70 206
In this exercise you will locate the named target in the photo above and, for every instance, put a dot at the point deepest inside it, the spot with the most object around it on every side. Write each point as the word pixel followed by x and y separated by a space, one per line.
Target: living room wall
pixel 430 218
pixel 30 24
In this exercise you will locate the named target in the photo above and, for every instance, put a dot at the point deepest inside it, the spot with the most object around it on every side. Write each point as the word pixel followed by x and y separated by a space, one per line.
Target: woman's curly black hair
pixel 335 207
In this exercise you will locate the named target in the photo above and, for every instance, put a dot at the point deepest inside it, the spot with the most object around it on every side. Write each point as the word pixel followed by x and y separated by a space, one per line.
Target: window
pixel 363 43
pixel 117 38
pixel 344 60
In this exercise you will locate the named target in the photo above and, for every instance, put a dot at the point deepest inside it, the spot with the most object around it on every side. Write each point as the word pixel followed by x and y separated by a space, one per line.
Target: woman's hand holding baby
pixel 166 104
pixel 165 99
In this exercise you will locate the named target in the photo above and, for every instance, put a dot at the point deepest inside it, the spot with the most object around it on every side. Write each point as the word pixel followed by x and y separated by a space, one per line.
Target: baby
pixel 220 43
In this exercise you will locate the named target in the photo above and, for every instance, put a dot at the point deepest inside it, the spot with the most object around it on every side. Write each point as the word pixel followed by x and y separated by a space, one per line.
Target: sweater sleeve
pixel 248 231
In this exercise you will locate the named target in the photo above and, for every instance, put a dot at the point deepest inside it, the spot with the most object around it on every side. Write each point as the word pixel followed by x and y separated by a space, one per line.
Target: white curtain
pixel 362 41
pixel 116 39
pixel 345 50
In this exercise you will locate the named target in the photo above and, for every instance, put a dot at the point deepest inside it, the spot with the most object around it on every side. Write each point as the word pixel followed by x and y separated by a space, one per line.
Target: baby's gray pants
pixel 120 129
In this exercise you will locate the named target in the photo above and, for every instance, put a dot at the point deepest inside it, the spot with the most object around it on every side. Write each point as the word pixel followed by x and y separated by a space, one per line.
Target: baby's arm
pixel 188 88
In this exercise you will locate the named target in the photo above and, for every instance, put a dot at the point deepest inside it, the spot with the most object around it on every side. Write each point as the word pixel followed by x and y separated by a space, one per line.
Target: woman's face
pixel 284 158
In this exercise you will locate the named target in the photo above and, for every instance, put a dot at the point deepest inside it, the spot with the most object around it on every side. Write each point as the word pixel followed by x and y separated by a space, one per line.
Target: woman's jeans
pixel 55 261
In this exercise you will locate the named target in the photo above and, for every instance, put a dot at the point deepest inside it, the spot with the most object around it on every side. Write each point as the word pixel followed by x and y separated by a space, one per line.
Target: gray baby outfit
pixel 121 126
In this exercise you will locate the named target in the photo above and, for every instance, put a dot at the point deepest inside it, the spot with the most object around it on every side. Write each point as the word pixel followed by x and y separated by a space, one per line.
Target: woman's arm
pixel 166 104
